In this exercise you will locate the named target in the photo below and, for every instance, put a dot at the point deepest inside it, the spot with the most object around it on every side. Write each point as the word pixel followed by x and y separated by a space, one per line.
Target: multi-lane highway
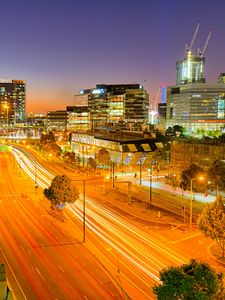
pixel 127 252
pixel 43 256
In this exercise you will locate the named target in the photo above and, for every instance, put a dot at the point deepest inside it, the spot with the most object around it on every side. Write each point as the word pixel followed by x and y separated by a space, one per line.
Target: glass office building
pixel 196 106
pixel 117 103
pixel 12 102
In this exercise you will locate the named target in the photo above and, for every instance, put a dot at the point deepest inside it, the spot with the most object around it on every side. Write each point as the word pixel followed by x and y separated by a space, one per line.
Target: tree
pixel 47 138
pixel 69 157
pixel 216 174
pixel 61 191
pixel 92 163
pixel 192 281
pixel 104 157
pixel 179 130
pixel 52 148
pixel 212 221
pixel 48 144
pixel 188 174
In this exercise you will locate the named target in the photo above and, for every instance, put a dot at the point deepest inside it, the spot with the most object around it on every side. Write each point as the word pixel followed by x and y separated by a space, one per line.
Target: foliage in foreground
pixel 212 221
pixel 61 191
pixel 187 175
pixel 216 174
pixel 192 281
pixel 104 156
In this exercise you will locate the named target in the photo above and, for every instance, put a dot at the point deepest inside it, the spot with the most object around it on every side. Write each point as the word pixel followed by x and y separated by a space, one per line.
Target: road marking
pixel 61 268
pixel 13 274
pixel 39 273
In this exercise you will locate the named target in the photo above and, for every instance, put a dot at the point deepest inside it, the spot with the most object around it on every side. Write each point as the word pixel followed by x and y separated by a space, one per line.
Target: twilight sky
pixel 61 47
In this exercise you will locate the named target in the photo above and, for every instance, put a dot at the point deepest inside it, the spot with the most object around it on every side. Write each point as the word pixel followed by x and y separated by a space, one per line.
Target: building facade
pixel 117 103
pixel 124 150
pixel 184 153
pixel 57 120
pixel 12 102
pixel 78 118
pixel 196 107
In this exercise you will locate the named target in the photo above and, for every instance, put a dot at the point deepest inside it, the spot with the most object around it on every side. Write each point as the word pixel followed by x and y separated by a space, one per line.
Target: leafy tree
pixel 48 144
pixel 52 148
pixel 216 174
pixel 179 130
pixel 104 157
pixel 92 163
pixel 69 157
pixel 170 131
pixel 212 221
pixel 61 191
pixel 192 281
pixel 188 174
pixel 47 138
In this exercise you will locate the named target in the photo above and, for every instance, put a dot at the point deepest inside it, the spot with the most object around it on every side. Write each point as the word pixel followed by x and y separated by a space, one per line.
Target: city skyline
pixel 61 48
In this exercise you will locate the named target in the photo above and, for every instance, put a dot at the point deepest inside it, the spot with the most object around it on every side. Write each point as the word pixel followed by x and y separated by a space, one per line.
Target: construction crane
pixel 188 48
pixel 194 37
pixel 202 52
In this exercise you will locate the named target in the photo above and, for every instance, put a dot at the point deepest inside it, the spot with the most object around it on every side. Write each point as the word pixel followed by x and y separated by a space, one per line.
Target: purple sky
pixel 61 47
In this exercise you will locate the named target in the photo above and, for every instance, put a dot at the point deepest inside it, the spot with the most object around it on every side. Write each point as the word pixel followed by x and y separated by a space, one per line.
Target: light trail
pixel 146 256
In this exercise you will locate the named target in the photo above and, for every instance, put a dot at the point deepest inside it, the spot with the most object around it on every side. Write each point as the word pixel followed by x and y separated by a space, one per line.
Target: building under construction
pixel 191 68
pixel 193 104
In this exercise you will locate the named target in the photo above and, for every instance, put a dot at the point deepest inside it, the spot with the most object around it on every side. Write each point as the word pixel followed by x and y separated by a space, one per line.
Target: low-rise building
pixel 57 120
pixel 78 118
pixel 184 153
pixel 125 149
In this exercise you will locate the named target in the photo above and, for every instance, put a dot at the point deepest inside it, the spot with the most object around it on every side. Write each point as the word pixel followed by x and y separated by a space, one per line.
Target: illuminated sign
pixel 98 91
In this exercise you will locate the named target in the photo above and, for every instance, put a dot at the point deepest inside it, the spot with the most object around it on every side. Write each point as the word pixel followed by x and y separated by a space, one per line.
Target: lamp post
pixel 35 175
pixel 191 195
pixel 150 185
pixel 140 172
pixel 83 155
pixel 84 211
pixel 113 174
pixel 6 106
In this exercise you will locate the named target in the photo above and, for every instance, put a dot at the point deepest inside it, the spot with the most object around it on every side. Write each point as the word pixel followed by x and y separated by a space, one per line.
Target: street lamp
pixel 191 194
pixel 113 174
pixel 35 175
pixel 6 106
pixel 150 185
pixel 140 172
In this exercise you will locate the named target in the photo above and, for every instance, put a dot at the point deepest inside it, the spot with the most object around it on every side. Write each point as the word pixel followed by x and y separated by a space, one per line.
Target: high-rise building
pixel 193 104
pixel 117 103
pixel 12 102
pixel 190 69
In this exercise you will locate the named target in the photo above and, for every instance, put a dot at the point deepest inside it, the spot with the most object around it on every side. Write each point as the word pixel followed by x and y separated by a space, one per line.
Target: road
pixel 131 254
pixel 44 258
